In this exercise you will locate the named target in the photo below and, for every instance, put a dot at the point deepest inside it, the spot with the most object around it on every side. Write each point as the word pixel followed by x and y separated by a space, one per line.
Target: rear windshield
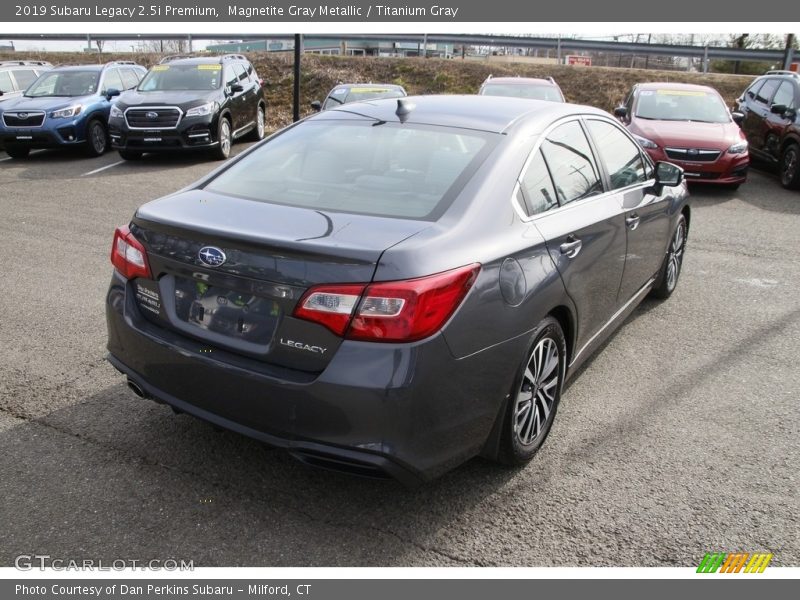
pixel 341 96
pixel 364 167
pixel 681 105
pixel 64 83
pixel 167 78
pixel 532 91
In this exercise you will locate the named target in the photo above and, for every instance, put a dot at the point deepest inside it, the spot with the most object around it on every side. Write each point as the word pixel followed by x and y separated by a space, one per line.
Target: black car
pixel 190 103
pixel 771 123
pixel 395 286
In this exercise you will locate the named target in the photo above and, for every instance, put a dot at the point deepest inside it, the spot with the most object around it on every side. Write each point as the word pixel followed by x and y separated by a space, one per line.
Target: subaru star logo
pixel 693 152
pixel 151 114
pixel 22 115
pixel 211 256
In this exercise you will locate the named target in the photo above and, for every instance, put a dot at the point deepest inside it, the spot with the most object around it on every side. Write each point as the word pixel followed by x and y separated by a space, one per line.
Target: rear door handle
pixel 633 221
pixel 571 247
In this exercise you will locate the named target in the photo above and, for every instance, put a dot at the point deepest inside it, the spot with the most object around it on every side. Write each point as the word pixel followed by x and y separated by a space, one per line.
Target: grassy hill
pixel 597 86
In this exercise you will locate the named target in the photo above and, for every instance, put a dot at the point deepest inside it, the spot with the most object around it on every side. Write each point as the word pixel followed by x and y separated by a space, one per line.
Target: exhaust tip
pixel 136 388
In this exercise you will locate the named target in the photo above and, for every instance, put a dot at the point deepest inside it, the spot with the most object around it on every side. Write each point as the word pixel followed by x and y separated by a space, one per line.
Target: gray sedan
pixel 393 287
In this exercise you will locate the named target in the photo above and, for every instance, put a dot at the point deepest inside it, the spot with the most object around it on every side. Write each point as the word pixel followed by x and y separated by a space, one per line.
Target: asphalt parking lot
pixel 678 438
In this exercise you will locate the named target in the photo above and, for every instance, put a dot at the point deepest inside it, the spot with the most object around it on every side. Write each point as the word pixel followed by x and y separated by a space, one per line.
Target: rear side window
pixel 753 89
pixel 24 77
pixel 130 79
pixel 785 95
pixel 572 165
pixel 112 80
pixel 240 71
pixel 387 169
pixel 537 187
pixel 620 155
pixel 5 82
pixel 765 93
pixel 231 77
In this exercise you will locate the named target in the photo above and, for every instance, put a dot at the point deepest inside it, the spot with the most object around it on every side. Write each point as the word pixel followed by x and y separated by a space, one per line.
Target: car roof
pixel 390 86
pixel 661 85
pixel 198 60
pixel 485 113
pixel 79 68
pixel 520 81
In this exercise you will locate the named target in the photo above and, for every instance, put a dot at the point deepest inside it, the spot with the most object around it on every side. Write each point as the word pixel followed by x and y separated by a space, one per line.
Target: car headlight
pixel 738 148
pixel 66 113
pixel 645 143
pixel 202 110
pixel 115 112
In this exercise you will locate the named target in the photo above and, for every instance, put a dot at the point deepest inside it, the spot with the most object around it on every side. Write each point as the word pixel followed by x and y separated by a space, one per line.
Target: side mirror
pixel 111 92
pixel 738 117
pixel 668 174
pixel 621 112
pixel 777 109
pixel 316 105
pixel 236 88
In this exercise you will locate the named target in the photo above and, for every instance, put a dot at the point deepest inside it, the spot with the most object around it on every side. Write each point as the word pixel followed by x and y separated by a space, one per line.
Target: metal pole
pixel 88 41
pixel 190 43
pixel 298 49
pixel 789 56
pixel 424 45
pixel 558 49
pixel 705 59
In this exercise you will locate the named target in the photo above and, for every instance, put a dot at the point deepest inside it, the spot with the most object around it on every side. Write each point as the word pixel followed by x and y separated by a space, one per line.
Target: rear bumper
pixel 407 411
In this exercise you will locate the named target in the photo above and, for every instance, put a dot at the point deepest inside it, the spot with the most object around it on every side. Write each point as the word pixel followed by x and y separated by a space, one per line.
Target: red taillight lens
pixel 396 311
pixel 128 255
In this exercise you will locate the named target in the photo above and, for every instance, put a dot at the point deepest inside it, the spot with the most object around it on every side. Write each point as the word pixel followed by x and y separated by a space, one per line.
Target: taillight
pixel 128 255
pixel 395 311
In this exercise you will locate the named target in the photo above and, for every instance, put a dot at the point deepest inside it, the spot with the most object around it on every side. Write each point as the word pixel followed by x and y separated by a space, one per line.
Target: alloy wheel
pixel 225 137
pixel 98 138
pixel 260 123
pixel 675 255
pixel 537 394
pixel 789 166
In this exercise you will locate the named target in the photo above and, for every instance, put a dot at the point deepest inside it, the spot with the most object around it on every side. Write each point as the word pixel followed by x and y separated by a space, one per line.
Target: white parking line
pixel 11 157
pixel 103 168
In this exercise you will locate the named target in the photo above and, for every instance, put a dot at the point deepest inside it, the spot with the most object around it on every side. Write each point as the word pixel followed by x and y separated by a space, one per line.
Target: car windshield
pixel 64 83
pixel 356 166
pixel 518 90
pixel 681 105
pixel 166 78
pixel 359 94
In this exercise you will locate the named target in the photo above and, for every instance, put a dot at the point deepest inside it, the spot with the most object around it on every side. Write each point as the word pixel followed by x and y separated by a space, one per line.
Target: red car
pixel 688 125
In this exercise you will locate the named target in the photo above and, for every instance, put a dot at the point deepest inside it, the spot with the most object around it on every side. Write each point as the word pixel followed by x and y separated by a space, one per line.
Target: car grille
pixel 153 118
pixel 692 154
pixel 23 119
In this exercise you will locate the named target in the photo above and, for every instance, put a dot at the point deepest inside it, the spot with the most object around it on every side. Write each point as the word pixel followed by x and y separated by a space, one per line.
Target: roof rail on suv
pixel 233 57
pixel 782 72
pixel 24 63
pixel 172 57
pixel 119 62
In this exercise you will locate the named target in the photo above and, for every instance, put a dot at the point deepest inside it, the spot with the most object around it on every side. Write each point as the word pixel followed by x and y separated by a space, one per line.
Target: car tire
pixel 260 130
pixel 667 278
pixel 790 167
pixel 224 139
pixel 17 151
pixel 535 395
pixel 130 154
pixel 96 138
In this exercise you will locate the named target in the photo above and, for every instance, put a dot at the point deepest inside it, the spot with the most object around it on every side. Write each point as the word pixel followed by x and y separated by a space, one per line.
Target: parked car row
pixel 206 103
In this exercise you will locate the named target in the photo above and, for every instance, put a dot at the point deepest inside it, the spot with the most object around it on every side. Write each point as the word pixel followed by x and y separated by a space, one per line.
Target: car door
pixel 775 124
pixel 235 99
pixel 251 88
pixel 647 222
pixel 755 121
pixel 585 235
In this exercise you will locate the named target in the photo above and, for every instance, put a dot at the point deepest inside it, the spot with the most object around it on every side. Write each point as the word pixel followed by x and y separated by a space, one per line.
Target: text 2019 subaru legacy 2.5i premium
pixel 396 286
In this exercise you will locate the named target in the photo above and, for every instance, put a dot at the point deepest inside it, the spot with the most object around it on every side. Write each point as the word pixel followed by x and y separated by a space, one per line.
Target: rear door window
pixel 5 82
pixel 24 77
pixel 572 164
pixel 129 78
pixel 784 95
pixel 241 73
pixel 112 81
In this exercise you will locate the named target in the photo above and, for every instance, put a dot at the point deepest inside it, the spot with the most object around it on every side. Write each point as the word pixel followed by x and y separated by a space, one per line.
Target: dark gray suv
pixel 396 286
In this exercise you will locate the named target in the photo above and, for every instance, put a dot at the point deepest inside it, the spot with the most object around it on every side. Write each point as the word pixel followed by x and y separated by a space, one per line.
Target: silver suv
pixel 17 75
